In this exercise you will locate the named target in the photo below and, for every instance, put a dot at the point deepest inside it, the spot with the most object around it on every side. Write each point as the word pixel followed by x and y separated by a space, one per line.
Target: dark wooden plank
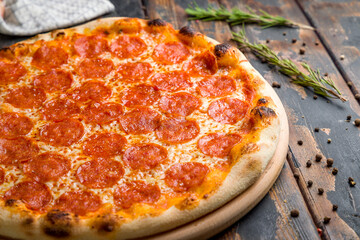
pixel 305 114
pixel 127 8
pixel 337 23
pixel 272 214
pixel 270 219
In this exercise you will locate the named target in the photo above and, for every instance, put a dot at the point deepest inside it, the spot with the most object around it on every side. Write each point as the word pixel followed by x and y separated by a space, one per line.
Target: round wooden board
pixel 220 219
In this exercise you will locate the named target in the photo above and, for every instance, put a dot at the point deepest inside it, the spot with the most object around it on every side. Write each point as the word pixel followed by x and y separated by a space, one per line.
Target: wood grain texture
pixel 305 114
pixel 272 214
pixel 338 23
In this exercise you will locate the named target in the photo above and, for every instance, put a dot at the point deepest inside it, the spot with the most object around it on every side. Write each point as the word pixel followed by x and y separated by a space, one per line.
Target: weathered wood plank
pixel 270 219
pixel 305 114
pixel 127 8
pixel 338 25
pixel 272 214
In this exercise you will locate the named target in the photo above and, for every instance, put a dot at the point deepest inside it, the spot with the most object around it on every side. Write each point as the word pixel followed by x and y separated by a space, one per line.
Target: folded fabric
pixel 29 17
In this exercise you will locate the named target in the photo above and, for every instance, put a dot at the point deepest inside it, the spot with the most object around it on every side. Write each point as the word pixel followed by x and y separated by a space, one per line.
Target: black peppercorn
pixel 327 220
pixel 318 157
pixel 329 162
pixel 276 85
pixel 302 51
pixel 309 183
pixel 335 171
pixel 320 191
pixel 357 122
pixel 334 207
pixel 308 164
pixel 294 213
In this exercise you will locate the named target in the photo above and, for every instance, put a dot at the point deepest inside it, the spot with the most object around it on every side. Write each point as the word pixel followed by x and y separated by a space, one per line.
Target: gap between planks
pixel 309 201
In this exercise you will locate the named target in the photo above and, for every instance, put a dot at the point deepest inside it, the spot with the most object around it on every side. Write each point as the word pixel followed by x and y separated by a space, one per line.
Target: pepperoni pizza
pixel 122 128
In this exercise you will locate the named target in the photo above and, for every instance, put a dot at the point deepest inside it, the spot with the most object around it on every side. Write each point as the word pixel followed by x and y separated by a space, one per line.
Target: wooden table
pixel 338 33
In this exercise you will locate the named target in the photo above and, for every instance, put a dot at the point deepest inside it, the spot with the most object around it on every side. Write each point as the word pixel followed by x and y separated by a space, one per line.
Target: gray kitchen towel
pixel 29 17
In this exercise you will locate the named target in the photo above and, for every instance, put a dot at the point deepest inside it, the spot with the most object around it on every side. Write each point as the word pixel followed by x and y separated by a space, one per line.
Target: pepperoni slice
pixel 100 173
pixel 141 120
pixel 102 113
pixel 95 67
pixel 128 47
pixel 91 90
pixel 78 202
pixel 63 133
pixel 216 86
pixel 35 195
pixel 60 109
pixel 140 95
pixel 14 151
pixel 176 131
pixel 145 156
pixel 49 57
pixel 171 81
pixel 11 72
pixel 47 167
pixel 218 144
pixel 13 125
pixel 170 53
pixel 26 97
pixel 180 104
pixel 202 65
pixel 55 80
pixel 104 145
pixel 134 72
pixel 134 192
pixel 90 46
pixel 227 110
pixel 2 176
pixel 183 177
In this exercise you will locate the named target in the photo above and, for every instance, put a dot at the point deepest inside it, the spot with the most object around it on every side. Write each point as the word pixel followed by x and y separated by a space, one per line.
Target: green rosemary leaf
pixel 313 79
pixel 237 16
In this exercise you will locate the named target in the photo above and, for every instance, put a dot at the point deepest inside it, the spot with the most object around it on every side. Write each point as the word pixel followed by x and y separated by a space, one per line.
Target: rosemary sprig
pixel 236 17
pixel 321 86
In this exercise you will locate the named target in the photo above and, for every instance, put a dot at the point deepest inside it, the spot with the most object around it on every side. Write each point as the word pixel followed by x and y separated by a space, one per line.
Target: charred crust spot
pixel 221 49
pixel 10 202
pixel 106 227
pixel 28 221
pixel 57 224
pixel 157 23
pixel 5 49
pixel 56 232
pixel 187 31
pixel 60 34
pixel 56 215
pixel 263 112
pixel 106 223
pixel 262 101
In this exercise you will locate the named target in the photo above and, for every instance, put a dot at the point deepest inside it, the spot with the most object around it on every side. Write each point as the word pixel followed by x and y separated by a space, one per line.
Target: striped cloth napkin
pixel 29 17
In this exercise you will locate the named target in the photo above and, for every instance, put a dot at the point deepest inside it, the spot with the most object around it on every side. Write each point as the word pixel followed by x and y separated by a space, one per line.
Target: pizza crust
pixel 249 161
